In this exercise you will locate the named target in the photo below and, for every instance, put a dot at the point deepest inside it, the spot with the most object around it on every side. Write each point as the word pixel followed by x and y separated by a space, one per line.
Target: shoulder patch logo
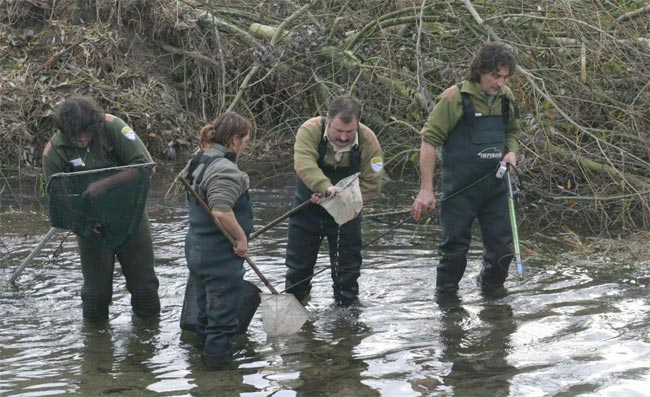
pixel 377 164
pixel 128 133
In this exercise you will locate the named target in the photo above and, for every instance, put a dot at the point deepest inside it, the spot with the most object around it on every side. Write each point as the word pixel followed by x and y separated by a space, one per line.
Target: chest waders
pixel 126 237
pixel 307 229
pixel 216 271
pixel 473 149
pixel 137 262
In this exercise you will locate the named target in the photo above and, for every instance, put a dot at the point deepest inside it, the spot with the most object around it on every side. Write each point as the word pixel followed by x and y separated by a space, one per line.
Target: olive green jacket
pixel 449 109
pixel 305 156
pixel 114 144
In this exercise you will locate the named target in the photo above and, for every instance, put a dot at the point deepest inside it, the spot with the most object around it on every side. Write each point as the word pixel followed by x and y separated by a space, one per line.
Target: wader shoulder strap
pixel 469 113
pixel 505 110
pixel 355 160
pixel 200 158
pixel 196 160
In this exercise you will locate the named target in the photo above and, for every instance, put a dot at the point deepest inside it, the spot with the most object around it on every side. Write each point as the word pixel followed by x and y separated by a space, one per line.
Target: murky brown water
pixel 569 327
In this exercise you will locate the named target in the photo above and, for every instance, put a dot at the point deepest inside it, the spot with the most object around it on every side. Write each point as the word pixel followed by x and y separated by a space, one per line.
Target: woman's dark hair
pixel 224 129
pixel 488 58
pixel 78 114
pixel 346 108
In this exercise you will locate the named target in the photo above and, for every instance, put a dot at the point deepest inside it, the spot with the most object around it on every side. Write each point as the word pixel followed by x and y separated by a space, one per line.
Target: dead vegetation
pixel 169 66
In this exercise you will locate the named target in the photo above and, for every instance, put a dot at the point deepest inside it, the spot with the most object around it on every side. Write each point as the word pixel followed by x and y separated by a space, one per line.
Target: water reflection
pixel 570 326
pixel 116 359
pixel 323 356
pixel 227 382
pixel 477 346
pixel 333 368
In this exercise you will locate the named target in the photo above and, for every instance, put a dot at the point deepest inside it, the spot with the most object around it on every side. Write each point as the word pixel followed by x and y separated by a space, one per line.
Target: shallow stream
pixel 570 326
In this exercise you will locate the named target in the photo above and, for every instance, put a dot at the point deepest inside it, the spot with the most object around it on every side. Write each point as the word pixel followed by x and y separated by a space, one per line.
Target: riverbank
pixel 168 67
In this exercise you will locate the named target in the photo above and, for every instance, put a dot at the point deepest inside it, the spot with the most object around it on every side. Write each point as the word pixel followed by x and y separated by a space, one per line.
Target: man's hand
pixel 510 158
pixel 95 189
pixel 425 202
pixel 332 191
pixel 315 197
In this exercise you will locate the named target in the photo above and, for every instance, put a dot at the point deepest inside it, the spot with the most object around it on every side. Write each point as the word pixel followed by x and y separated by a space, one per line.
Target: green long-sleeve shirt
pixel 306 155
pixel 449 109
pixel 114 144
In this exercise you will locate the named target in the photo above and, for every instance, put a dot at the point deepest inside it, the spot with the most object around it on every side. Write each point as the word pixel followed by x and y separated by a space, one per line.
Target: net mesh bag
pixel 282 314
pixel 108 202
pixel 347 203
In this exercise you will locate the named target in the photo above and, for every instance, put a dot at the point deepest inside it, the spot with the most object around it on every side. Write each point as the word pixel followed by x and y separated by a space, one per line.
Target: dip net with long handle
pixel 348 203
pixel 108 201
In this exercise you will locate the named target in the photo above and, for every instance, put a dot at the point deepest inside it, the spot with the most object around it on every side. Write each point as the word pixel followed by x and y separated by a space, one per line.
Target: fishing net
pixel 347 204
pixel 107 202
pixel 282 314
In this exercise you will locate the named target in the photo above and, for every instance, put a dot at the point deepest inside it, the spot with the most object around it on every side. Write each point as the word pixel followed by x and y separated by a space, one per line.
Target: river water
pixel 570 326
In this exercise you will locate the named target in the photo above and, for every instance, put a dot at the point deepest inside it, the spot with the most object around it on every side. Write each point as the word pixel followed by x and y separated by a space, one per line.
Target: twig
pixel 191 54
pixel 401 212
pixel 54 57
pixel 421 88
pixel 601 198
pixel 479 20
pixel 632 14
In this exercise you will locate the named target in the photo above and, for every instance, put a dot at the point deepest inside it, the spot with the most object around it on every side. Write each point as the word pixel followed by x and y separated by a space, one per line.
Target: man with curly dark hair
pixel 475 124
pixel 89 139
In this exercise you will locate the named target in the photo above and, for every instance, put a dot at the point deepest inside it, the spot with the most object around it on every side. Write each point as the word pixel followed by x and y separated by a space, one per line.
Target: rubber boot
pixel 345 298
pixel 146 303
pixel 216 362
pixel 303 244
pixel 217 352
pixel 95 307
pixel 345 286
pixel 449 271
pixel 491 278
pixel 199 342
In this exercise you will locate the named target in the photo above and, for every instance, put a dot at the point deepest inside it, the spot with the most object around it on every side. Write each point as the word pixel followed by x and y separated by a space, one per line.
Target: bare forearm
pixel 230 224
pixel 427 165
pixel 425 200
pixel 100 187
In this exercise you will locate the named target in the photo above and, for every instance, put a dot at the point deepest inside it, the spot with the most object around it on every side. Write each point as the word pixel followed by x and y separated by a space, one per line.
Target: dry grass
pixel 167 67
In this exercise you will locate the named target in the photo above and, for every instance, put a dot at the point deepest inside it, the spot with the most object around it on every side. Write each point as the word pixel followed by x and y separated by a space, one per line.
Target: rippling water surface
pixel 568 327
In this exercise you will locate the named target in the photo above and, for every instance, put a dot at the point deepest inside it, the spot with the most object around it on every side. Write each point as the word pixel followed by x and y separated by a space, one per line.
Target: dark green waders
pixel 472 150
pixel 137 262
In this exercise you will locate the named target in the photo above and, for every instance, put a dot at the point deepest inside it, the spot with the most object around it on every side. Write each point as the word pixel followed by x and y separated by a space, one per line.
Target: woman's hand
pixel 241 248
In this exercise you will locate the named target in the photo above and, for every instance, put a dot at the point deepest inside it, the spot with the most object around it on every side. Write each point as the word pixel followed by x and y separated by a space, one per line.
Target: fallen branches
pixel 170 66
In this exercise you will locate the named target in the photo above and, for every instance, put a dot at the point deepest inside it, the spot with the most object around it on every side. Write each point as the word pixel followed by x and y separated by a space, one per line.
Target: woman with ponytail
pixel 216 266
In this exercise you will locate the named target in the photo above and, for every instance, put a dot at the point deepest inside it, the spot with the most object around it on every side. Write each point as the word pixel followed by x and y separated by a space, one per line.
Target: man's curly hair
pixel 78 114
pixel 488 58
